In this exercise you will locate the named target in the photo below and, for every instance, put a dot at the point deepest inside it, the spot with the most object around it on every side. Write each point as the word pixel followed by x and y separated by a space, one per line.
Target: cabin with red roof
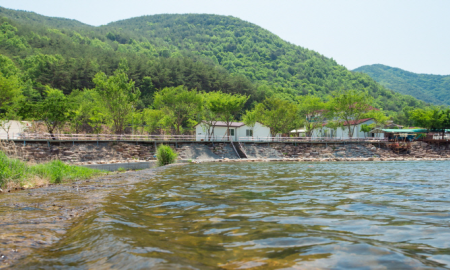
pixel 342 132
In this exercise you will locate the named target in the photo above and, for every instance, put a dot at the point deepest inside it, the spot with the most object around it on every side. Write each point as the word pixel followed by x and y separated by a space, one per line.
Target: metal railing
pixel 309 139
pixel 176 138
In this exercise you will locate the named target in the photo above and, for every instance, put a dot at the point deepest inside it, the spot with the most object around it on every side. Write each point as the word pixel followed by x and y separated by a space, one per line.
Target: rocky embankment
pixel 123 152
pixel 419 150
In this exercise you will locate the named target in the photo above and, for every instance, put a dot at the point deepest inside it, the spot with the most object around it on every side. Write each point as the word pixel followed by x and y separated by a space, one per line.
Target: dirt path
pixel 37 218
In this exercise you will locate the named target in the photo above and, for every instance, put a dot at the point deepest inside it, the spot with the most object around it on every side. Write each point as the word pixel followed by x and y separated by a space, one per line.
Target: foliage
pixel 366 129
pixel 179 105
pixel 249 119
pixel 226 107
pixel 165 155
pixel 431 118
pixel 281 116
pixel 426 87
pixel 21 173
pixel 203 52
pixel 314 111
pixel 153 119
pixel 119 97
pixel 54 110
pixel 350 106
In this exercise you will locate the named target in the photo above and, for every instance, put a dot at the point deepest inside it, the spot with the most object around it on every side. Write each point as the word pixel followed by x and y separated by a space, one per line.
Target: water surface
pixel 269 216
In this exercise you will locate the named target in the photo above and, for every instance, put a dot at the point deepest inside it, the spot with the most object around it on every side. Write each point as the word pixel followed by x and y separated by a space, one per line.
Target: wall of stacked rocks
pixel 118 152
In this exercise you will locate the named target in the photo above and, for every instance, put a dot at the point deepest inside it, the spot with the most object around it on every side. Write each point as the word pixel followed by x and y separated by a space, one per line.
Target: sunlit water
pixel 269 216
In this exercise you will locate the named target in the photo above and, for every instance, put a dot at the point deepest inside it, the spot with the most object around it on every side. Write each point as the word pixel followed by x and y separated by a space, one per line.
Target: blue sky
pixel 408 34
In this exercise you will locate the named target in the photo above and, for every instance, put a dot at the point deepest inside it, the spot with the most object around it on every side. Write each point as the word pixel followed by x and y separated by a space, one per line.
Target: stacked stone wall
pixel 118 152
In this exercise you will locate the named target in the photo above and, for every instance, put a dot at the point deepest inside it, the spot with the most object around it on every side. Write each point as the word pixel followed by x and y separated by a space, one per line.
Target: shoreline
pixel 199 160
pixel 37 218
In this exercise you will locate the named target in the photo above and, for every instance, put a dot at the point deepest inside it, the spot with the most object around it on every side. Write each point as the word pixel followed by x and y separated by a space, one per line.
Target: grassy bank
pixel 16 173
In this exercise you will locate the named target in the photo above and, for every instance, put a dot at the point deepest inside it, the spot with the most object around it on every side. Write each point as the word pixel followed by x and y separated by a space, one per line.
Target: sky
pixel 409 34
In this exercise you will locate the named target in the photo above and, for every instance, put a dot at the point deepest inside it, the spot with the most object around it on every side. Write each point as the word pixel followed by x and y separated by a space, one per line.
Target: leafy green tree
pixel 227 107
pixel 334 125
pixel 55 110
pixel 179 105
pixel 119 97
pixel 366 129
pixel 10 90
pixel 378 116
pixel 250 119
pixel 431 118
pixel 210 116
pixel 153 120
pixel 281 116
pixel 314 112
pixel 350 106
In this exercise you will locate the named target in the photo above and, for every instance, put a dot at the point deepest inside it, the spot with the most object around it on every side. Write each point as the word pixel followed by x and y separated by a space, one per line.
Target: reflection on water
pixel 269 216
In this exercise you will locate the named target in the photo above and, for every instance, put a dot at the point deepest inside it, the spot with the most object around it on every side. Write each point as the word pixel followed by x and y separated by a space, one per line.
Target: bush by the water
pixel 165 155
pixel 18 173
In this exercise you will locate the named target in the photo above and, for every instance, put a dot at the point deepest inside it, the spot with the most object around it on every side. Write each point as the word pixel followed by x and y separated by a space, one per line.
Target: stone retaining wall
pixel 117 152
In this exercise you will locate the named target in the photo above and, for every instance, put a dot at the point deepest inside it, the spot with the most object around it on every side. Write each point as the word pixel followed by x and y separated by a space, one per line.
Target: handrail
pixel 242 150
pixel 177 138
pixel 232 144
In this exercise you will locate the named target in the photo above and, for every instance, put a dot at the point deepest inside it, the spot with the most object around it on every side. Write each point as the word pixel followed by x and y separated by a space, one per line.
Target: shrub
pixel 165 155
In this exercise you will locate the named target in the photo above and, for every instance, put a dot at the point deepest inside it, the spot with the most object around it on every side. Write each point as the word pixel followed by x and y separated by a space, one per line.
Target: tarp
pixel 416 130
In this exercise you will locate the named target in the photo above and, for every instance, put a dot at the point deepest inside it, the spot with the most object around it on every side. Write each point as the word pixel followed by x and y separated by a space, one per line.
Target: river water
pixel 361 215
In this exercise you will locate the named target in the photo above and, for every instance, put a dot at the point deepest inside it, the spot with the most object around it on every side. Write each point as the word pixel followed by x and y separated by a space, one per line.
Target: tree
pixel 378 116
pixel 10 90
pixel 119 97
pixel 86 105
pixel 314 112
pixel 349 106
pixel 152 119
pixel 249 119
pixel 281 116
pixel 366 129
pixel 432 118
pixel 334 125
pixel 55 110
pixel 209 116
pixel 179 105
pixel 227 107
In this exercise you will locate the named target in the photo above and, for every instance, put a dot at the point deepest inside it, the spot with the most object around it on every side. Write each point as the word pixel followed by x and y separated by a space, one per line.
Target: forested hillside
pixel 207 52
pixel 429 88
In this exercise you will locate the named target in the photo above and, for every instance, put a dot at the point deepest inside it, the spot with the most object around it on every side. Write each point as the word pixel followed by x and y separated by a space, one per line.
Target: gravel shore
pixel 36 218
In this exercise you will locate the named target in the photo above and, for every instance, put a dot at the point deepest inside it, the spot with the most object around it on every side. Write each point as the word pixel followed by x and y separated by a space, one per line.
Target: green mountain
pixel 207 52
pixel 429 88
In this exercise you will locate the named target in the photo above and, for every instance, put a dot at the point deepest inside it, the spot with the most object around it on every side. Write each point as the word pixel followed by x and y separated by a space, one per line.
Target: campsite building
pixel 238 131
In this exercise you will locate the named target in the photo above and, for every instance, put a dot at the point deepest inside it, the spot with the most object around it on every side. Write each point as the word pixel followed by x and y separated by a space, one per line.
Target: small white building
pixel 15 129
pixel 238 131
pixel 342 132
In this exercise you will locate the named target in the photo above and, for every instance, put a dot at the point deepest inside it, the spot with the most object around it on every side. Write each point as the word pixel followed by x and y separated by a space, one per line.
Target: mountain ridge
pixel 66 54
pixel 430 88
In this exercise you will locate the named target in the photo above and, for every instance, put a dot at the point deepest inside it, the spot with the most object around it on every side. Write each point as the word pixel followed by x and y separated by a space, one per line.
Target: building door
pixel 232 134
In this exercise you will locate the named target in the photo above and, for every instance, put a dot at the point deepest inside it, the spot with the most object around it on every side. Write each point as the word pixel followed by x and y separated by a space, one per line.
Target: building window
pixel 231 132
pixel 249 133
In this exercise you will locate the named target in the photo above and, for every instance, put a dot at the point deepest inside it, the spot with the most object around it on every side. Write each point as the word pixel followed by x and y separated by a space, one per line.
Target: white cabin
pixel 238 132
pixel 342 133
pixel 15 129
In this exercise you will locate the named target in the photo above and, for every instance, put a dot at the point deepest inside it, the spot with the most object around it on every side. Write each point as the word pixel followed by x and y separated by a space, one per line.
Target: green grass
pixel 14 172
